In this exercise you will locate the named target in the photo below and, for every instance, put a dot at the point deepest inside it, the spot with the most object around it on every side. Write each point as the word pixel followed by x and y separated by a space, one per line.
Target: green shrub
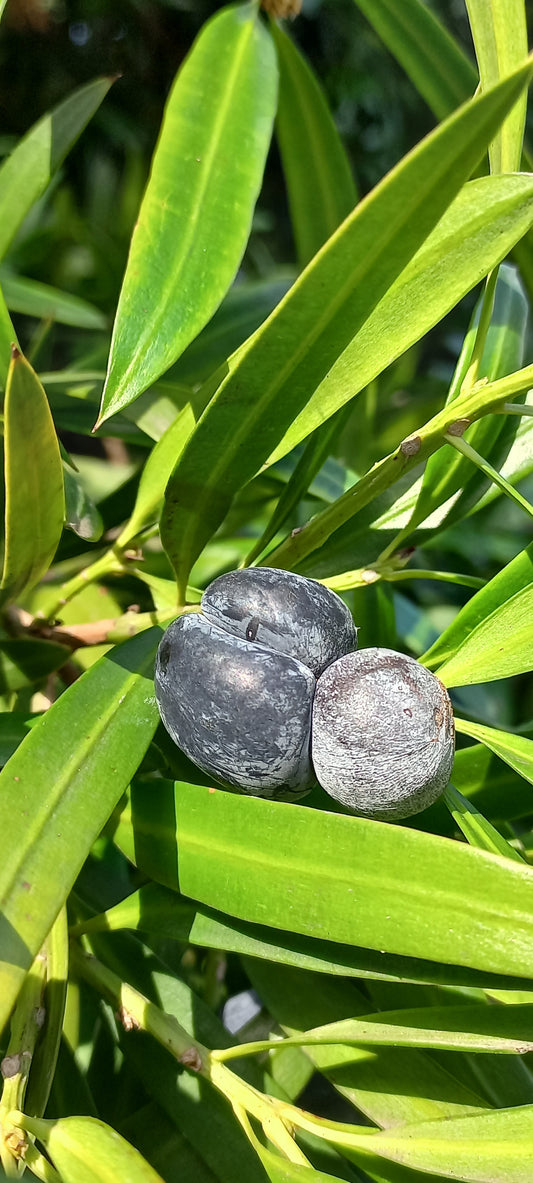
pixel 299 419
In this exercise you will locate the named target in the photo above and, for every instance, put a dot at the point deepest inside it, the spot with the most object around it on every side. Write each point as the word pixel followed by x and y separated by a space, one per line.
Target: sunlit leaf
pixel 476 829
pixel 25 174
pixel 324 875
pixel 499 30
pixel 516 750
pixel 34 481
pixel 515 579
pixel 499 646
pixel 86 1150
pixel 197 210
pixel 58 789
pixel 294 354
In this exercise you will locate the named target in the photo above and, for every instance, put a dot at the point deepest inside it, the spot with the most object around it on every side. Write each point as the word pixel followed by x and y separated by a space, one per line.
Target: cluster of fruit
pixel 264 690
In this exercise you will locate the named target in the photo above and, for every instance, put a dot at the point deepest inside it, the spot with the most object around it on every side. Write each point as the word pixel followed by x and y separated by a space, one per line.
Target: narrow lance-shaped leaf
pixel 196 213
pixel 43 1066
pixel 499 30
pixel 447 473
pixel 317 171
pixel 484 1028
pixel 487 1148
pixel 34 510
pixel 273 378
pixel 391 1085
pixel 58 789
pixel 41 300
pixel 457 251
pixel 331 869
pixel 476 829
pixel 8 338
pixel 500 646
pixel 433 60
pixel 86 1150
pixel 155 474
pixel 483 217
pixel 516 750
pixel 516 577
pixel 25 174
pixel 154 909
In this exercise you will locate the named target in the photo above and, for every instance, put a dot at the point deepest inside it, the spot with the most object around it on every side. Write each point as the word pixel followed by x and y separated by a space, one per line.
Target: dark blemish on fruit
pixel 251 631
pixel 164 656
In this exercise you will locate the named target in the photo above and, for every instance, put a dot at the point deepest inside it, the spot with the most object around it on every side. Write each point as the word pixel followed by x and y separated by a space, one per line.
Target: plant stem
pixel 136 1012
pixel 484 399
pixel 524 409
pixel 366 575
pixel 107 564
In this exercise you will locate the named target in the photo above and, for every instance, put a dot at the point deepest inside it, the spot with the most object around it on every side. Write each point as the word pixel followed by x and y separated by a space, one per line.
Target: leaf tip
pixel 15 352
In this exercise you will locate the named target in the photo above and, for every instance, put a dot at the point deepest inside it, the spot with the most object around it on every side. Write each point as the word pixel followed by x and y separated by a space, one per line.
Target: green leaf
pixel 39 299
pixel 447 475
pixel 243 310
pixel 8 338
pixel 513 580
pixel 485 1148
pixel 81 514
pixel 500 646
pixel 315 453
pixel 488 783
pixel 317 171
pixel 433 60
pixel 293 356
pixel 58 789
pixel 484 1028
pixel 464 447
pixel 86 1150
pixel 165 1147
pixel 25 174
pixel 28 660
pixel 14 727
pixel 34 481
pixel 197 210
pixel 516 750
pixel 279 1170
pixel 43 1066
pixel 155 474
pixel 391 1085
pixel 159 911
pixel 476 829
pixel 324 875
pixel 499 31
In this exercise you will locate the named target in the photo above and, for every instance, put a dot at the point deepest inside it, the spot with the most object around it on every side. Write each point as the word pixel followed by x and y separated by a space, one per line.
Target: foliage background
pixel 195 952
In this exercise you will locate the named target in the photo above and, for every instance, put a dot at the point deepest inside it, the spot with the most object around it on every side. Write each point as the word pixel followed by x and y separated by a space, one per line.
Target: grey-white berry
pixel 284 611
pixel 382 734
pixel 240 711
